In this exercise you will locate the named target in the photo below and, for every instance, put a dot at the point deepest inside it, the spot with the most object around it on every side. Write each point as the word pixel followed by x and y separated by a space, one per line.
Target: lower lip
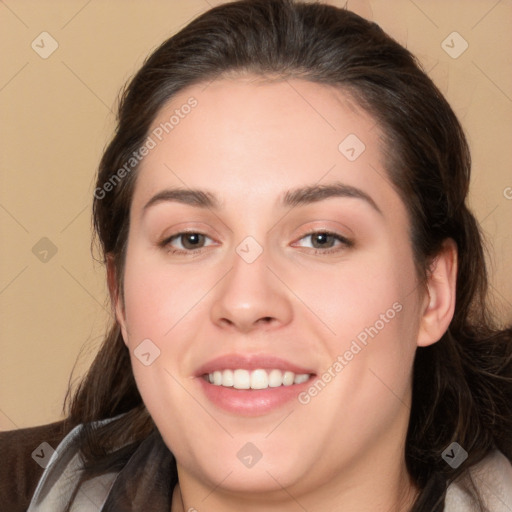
pixel 251 402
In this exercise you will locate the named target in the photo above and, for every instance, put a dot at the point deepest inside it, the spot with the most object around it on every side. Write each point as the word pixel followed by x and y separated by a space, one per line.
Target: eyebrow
pixel 292 198
pixel 314 193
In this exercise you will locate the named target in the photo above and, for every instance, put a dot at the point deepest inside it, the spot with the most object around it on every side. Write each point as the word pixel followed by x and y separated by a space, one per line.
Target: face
pixel 267 249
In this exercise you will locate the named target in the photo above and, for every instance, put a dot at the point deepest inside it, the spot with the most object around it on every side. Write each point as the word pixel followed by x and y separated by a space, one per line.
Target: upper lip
pixel 250 362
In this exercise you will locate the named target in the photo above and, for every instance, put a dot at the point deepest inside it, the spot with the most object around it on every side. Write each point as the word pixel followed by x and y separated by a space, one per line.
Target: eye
pixel 326 242
pixel 184 242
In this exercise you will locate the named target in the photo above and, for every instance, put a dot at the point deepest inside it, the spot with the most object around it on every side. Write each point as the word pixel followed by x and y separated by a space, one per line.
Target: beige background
pixel 56 117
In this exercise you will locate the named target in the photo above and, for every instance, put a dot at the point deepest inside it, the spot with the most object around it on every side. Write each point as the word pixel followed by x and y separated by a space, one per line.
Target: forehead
pixel 250 111
pixel 249 139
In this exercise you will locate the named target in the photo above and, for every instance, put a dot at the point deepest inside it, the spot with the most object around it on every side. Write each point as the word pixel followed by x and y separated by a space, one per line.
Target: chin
pixel 237 465
pixel 258 480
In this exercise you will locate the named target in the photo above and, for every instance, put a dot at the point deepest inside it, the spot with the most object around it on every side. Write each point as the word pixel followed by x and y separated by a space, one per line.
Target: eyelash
pixel 345 243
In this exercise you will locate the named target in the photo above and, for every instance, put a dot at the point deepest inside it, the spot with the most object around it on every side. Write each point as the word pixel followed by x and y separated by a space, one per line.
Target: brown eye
pixel 325 242
pixel 192 240
pixel 185 242
pixel 322 240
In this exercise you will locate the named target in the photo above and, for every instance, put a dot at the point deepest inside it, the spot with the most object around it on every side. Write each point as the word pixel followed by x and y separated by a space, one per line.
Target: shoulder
pixel 492 477
pixel 24 454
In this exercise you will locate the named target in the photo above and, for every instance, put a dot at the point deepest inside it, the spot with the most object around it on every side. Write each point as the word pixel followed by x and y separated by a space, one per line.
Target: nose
pixel 251 296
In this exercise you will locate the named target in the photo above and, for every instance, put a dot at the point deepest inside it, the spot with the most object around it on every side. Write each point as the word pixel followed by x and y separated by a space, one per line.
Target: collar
pixel 145 482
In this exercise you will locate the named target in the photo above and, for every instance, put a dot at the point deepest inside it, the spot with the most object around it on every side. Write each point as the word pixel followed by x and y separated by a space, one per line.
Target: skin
pixel 248 141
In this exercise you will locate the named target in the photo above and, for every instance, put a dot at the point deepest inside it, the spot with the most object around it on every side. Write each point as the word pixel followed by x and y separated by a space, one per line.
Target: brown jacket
pixel 22 462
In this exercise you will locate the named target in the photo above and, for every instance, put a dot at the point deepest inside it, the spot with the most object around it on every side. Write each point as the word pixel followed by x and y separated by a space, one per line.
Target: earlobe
pixel 440 300
pixel 115 299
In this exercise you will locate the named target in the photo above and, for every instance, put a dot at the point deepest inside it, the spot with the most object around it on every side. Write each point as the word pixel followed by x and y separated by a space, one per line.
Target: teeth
pixel 275 378
pixel 241 379
pixel 299 379
pixel 288 378
pixel 228 378
pixel 257 379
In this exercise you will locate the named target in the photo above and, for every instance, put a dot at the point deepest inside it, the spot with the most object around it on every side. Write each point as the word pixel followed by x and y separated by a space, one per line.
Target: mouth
pixel 252 385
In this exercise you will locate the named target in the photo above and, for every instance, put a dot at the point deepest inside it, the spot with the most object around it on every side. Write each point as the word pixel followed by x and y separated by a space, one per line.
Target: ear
pixel 439 304
pixel 115 299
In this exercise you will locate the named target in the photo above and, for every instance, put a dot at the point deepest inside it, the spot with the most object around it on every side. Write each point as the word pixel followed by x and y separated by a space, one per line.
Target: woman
pixel 298 287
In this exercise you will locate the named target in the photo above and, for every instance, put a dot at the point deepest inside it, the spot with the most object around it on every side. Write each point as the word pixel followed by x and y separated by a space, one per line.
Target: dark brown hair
pixel 462 385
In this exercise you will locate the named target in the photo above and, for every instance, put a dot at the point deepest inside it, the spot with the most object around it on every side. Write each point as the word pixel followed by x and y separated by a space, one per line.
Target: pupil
pixel 322 238
pixel 192 239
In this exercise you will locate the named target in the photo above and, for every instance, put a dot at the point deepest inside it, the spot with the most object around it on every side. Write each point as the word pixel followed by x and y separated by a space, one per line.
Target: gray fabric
pixel 60 478
pixel 493 477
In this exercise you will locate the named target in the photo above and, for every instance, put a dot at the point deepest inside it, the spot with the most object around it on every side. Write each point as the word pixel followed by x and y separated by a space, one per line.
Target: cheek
pixel 158 297
pixel 162 307
pixel 365 385
pixel 367 294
